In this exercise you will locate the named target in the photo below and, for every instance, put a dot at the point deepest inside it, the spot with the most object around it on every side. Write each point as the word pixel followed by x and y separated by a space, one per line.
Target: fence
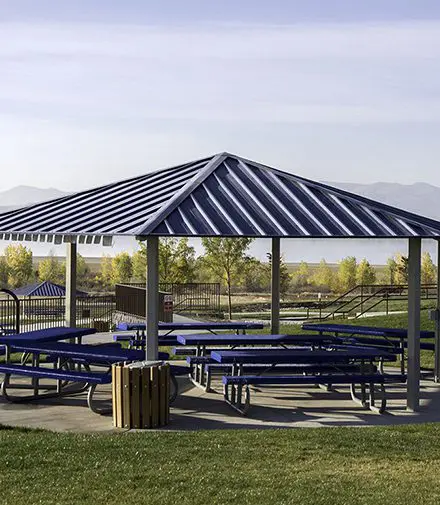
pixel 189 298
pixel 36 313
pixel 44 312
pixel 131 301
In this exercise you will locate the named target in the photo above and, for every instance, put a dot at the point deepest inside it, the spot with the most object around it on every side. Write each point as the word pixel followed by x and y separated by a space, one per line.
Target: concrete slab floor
pixel 194 409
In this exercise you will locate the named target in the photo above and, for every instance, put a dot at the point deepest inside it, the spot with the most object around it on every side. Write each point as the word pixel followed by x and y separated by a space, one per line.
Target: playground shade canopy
pixel 45 288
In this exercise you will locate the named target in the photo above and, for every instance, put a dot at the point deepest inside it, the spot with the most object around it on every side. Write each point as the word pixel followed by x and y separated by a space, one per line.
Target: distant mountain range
pixel 420 198
pixel 26 195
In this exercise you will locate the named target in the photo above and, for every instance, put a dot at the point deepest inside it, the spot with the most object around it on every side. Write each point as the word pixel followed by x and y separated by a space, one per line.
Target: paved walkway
pixel 196 410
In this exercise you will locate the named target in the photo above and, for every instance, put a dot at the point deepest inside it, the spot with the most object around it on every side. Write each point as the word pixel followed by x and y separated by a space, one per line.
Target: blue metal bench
pixel 375 383
pixel 89 380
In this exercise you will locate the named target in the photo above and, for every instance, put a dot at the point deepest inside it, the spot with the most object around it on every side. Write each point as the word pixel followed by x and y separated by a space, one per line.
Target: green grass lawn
pixel 393 465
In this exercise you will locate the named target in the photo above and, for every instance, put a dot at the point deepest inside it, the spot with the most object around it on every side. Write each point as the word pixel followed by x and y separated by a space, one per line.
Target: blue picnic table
pixel 200 369
pixel 393 337
pixel 66 358
pixel 212 327
pixel 333 359
pixel 46 335
pixel 43 335
pixel 349 329
pixel 256 339
pixel 292 356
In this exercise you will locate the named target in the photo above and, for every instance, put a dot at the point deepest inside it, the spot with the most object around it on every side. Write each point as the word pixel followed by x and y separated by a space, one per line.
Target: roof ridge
pixel 163 212
pixel 83 192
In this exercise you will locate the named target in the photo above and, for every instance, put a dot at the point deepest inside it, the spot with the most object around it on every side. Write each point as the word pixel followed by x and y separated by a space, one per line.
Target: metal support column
pixel 71 284
pixel 437 321
pixel 413 382
pixel 152 310
pixel 275 305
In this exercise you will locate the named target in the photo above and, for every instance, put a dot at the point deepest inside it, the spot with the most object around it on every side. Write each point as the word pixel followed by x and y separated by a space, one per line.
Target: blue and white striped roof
pixel 224 195
pixel 45 288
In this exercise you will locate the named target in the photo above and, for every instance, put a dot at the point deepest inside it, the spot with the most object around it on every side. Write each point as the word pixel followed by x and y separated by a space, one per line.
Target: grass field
pixel 394 465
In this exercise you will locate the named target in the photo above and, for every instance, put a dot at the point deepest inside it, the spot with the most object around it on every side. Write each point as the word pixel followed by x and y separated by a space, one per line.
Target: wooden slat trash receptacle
pixel 141 394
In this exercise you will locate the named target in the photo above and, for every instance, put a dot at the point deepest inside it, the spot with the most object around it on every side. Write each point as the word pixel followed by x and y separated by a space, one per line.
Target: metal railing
pixel 35 313
pixel 364 298
pixel 194 298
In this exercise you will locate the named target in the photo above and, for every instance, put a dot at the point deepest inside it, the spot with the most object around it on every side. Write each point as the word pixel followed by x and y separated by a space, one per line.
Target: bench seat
pixel 211 367
pixel 53 373
pixel 87 382
pixel 374 382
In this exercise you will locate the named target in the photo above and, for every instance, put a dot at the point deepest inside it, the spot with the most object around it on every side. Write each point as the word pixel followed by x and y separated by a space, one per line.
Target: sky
pixel 96 91
pixel 93 91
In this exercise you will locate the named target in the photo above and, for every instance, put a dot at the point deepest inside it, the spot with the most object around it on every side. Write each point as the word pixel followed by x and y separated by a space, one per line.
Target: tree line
pixel 224 260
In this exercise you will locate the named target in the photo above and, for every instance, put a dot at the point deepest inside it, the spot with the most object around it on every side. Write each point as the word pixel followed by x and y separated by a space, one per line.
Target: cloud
pixel 98 99
pixel 352 73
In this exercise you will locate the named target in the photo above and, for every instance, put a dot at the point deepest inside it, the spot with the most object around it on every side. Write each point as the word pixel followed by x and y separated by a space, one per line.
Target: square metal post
pixel 152 309
pixel 437 321
pixel 71 284
pixel 275 291
pixel 413 381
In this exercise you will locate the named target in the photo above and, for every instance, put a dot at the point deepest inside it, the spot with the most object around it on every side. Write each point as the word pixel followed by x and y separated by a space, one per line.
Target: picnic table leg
pixel 402 356
pixel 233 387
pixel 240 386
pixel 372 400
pixel 59 381
pixel 201 367
pixel 35 380
pixel 7 360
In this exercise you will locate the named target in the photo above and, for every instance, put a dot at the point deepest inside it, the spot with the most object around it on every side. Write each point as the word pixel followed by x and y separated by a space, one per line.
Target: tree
pixel 225 257
pixel 177 261
pixel 401 275
pixel 324 276
pixel 285 278
pixel 139 263
pixel 184 267
pixel 429 270
pixel 50 269
pixel 391 269
pixel 82 270
pixel 347 273
pixel 365 273
pixel 167 256
pixel 122 268
pixel 106 273
pixel 301 275
pixel 254 276
pixel 19 265
pixel 4 272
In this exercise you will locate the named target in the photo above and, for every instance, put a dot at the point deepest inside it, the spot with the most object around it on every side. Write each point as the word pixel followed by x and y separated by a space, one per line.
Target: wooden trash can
pixel 141 394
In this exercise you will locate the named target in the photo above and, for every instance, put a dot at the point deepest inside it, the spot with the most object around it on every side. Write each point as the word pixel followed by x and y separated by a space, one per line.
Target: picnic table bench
pixel 363 330
pixel 333 358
